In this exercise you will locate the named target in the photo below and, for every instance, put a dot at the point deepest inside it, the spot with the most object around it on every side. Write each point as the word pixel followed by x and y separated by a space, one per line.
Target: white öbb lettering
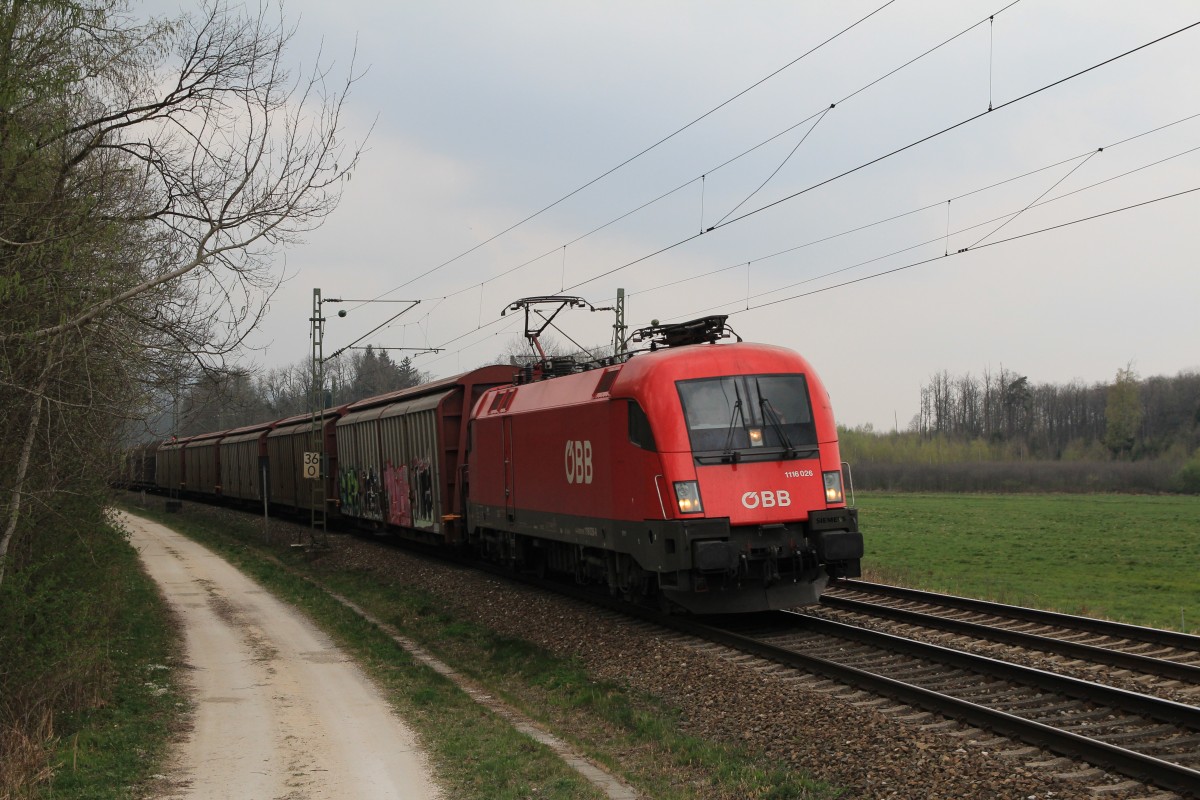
pixel 578 461
pixel 767 499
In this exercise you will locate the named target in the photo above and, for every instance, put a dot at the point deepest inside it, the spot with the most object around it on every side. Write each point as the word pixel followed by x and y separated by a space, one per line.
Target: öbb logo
pixel 578 461
pixel 767 499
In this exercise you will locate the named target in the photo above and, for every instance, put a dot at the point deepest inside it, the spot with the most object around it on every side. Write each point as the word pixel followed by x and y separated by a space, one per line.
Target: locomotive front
pixel 750 479
pixel 707 475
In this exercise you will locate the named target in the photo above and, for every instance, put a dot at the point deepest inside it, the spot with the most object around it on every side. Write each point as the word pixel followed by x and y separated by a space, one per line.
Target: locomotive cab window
pixel 766 416
pixel 639 428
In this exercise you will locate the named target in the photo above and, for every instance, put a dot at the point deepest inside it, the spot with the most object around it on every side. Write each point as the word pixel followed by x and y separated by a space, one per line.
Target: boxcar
pixel 169 467
pixel 243 459
pixel 287 443
pixel 143 462
pixel 202 464
pixel 401 456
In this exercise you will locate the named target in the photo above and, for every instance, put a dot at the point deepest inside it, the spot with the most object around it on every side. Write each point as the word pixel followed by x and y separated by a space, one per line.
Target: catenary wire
pixel 963 122
pixel 629 160
pixel 1010 215
pixel 815 115
pixel 981 247
pixel 781 165
pixel 964 251
pixel 895 252
pixel 1051 188
pixel 885 156
pixel 959 124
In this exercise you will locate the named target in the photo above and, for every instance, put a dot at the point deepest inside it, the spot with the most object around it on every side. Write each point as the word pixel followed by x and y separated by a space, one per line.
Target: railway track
pixel 1147 660
pixel 1136 651
pixel 1145 738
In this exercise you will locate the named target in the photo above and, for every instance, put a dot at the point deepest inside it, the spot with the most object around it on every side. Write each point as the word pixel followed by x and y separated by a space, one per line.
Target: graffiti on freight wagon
pixel 410 489
pixel 361 492
pixel 402 495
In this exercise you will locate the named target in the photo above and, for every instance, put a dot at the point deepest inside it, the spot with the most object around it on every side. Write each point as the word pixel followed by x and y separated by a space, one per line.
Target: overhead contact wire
pixel 1010 215
pixel 629 160
pixel 897 151
pixel 748 151
pixel 981 247
pixel 781 165
pixel 959 124
pixel 1036 199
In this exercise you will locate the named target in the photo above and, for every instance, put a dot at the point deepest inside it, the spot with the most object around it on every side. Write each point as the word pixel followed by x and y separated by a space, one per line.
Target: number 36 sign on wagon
pixel 312 466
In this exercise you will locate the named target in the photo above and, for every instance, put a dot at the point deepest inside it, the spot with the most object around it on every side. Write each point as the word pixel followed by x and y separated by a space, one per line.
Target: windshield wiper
pixel 729 452
pixel 768 412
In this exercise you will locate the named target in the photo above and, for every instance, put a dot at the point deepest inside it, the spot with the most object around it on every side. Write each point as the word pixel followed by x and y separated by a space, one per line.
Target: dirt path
pixel 280 712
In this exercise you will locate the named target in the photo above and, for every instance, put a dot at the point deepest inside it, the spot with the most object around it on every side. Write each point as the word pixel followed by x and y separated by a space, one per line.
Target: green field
pixel 1126 557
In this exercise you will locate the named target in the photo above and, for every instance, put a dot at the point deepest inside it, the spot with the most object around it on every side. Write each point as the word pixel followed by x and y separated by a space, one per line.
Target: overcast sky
pixel 486 112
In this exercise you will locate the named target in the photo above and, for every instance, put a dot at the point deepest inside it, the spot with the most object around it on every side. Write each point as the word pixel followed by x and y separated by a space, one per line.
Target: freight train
pixel 697 474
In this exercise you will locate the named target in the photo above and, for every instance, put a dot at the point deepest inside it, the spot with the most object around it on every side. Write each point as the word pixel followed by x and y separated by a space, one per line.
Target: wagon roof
pixel 493 373
pixel 331 415
pixel 258 427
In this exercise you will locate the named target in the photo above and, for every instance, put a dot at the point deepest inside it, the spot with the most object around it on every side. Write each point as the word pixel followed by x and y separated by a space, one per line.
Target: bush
pixel 1187 480
pixel 60 623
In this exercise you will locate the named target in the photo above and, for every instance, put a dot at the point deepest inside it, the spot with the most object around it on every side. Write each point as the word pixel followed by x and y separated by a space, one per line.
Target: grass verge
pixel 1127 557
pixel 477 755
pixel 111 751
pixel 86 644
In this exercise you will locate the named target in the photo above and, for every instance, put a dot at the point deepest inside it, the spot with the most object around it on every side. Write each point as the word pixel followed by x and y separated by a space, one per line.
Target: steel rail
pixel 1085 652
pixel 1165 774
pixel 1122 630
pixel 1131 702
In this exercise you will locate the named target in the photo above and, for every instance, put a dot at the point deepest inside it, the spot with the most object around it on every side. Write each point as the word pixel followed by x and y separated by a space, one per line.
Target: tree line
pixel 224 401
pixel 1128 418
pixel 1082 433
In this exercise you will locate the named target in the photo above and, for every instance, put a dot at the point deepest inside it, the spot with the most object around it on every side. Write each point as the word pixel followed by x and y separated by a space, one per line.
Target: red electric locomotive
pixel 702 473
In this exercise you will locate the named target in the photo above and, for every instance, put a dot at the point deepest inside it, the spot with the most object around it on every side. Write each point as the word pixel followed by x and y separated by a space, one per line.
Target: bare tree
pixel 149 174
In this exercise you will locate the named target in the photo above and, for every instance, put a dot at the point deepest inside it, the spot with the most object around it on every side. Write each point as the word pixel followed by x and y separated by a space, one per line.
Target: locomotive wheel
pixel 633 582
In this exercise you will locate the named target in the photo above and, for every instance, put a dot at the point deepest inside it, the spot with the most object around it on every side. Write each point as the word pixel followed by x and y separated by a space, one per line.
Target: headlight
pixel 687 495
pixel 833 487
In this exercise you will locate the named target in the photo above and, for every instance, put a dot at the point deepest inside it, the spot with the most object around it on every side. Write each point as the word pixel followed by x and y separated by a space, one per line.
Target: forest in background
pixel 230 399
pixel 223 401
pixel 999 432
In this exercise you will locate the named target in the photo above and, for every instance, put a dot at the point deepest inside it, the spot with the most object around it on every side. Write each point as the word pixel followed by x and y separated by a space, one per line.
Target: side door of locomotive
pixel 510 489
